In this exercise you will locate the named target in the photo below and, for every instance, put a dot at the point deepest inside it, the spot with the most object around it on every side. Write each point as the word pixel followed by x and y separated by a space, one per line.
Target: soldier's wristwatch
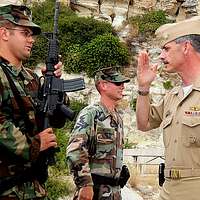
pixel 143 93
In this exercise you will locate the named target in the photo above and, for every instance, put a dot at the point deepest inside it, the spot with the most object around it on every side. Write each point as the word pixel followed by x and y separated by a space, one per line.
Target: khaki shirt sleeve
pixel 156 115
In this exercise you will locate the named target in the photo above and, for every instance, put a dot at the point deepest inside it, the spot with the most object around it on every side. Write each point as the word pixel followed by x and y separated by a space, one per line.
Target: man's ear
pixel 4 33
pixel 187 46
pixel 103 85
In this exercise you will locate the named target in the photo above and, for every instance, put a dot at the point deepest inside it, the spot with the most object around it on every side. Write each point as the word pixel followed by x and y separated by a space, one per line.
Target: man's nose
pixel 162 55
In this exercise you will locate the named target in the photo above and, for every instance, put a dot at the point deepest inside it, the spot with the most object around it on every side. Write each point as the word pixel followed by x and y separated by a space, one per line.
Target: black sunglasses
pixel 117 83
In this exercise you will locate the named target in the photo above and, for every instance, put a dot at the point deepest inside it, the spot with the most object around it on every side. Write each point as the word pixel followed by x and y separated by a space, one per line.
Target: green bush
pixel 73 30
pixel 58 188
pixel 103 51
pixel 149 22
pixel 84 43
pixel 76 106
pixel 73 59
pixel 63 138
pixel 81 30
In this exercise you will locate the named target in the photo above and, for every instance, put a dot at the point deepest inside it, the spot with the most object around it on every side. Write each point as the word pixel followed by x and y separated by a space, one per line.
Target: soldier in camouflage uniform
pixel 94 153
pixel 21 142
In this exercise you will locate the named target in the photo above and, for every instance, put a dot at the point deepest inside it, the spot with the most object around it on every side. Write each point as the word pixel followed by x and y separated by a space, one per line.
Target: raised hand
pixel 146 73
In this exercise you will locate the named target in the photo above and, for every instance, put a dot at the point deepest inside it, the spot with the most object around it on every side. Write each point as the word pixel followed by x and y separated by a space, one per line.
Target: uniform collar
pixel 104 109
pixel 26 74
pixel 16 71
pixel 195 86
pixel 107 112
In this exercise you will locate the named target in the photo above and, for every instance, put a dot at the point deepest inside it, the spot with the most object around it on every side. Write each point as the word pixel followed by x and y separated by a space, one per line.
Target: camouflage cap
pixel 19 15
pixel 111 75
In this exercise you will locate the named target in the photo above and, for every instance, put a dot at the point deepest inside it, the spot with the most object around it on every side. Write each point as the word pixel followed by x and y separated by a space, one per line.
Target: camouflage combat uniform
pixel 96 120
pixel 19 121
pixel 13 138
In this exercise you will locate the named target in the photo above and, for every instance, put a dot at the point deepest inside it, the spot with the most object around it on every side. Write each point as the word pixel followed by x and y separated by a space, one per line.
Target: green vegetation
pixel 167 85
pixel 133 103
pixel 56 186
pixel 104 50
pixel 86 44
pixel 128 144
pixel 149 22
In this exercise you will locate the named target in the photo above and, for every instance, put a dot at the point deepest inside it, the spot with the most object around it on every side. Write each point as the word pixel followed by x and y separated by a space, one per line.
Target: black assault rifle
pixel 53 91
pixel 52 94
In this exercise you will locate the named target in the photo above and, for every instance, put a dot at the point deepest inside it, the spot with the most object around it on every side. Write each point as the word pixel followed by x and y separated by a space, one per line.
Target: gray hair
pixel 194 40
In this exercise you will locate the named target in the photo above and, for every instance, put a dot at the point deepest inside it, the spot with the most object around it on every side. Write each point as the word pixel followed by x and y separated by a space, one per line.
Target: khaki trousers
pixel 181 189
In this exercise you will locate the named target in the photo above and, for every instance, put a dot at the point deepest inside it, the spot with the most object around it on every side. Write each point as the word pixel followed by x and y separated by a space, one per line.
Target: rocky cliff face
pixel 123 9
pixel 117 12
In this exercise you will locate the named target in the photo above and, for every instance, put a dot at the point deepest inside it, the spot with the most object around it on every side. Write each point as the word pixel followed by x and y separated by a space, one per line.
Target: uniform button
pixel 174 159
pixel 175 141
pixel 192 139
pixel 177 122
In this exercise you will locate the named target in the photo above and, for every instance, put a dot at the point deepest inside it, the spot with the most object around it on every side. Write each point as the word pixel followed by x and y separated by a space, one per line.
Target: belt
pixel 181 173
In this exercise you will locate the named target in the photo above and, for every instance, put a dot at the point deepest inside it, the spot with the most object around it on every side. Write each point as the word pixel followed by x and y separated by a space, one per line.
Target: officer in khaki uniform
pixel 179 112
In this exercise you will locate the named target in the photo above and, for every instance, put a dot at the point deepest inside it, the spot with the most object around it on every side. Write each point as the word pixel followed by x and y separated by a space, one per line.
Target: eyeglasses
pixel 117 83
pixel 26 33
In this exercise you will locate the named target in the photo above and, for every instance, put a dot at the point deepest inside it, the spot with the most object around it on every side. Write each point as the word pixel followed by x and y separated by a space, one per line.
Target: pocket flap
pixel 191 121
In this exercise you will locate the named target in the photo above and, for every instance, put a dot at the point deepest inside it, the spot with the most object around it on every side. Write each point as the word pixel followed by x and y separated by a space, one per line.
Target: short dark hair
pixel 194 39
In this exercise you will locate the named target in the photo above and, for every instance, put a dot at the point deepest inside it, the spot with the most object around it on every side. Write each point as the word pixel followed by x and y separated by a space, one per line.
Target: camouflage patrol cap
pixel 111 75
pixel 19 15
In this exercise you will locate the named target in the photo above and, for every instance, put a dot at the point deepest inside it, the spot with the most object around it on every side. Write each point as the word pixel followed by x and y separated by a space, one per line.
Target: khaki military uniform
pixel 107 128
pixel 179 116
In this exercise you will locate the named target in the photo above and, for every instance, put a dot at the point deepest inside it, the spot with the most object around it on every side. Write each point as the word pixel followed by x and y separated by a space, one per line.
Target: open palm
pixel 146 73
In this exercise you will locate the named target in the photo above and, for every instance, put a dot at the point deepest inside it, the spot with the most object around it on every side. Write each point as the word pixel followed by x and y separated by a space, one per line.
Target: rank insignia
pixel 195 108
pixel 192 113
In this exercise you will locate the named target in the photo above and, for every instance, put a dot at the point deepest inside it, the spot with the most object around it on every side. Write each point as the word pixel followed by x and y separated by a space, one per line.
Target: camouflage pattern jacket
pixel 96 120
pixel 14 138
